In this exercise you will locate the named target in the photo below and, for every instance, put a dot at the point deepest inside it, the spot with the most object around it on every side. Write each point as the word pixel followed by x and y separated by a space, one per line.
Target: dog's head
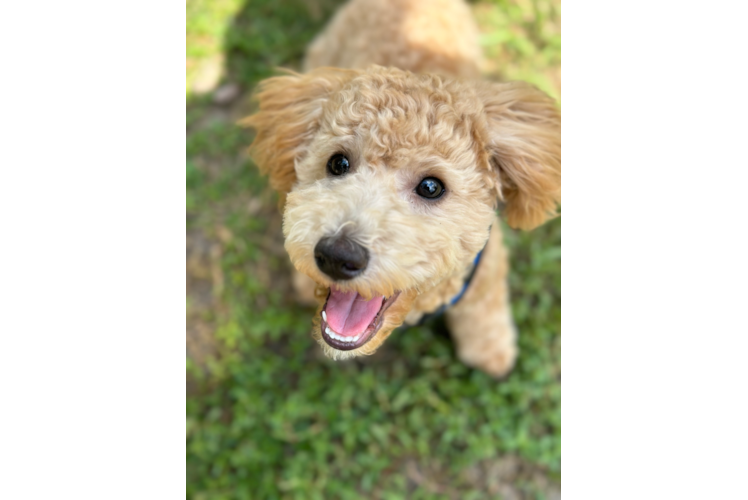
pixel 391 180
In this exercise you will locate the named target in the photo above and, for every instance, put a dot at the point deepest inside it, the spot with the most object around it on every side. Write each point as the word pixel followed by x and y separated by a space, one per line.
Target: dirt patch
pixel 512 478
pixel 508 477
pixel 204 284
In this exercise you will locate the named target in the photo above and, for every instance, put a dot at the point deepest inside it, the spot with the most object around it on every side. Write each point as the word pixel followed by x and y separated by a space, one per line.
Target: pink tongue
pixel 348 313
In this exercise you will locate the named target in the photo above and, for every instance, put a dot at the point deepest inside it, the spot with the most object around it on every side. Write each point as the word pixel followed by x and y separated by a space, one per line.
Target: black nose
pixel 340 258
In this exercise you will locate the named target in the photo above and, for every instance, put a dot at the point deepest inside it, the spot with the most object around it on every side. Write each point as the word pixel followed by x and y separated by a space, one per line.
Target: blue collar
pixel 457 297
pixel 465 286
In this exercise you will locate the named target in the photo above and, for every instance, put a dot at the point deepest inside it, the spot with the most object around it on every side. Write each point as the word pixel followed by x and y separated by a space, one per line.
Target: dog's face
pixel 391 181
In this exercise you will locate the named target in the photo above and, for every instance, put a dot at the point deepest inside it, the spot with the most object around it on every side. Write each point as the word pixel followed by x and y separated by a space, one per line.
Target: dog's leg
pixel 481 322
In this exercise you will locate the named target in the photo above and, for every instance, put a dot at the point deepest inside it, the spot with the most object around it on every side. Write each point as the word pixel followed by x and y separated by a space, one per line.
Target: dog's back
pixel 423 36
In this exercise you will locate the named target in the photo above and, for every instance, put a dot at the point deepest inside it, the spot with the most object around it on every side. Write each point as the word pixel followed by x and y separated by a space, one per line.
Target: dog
pixel 391 158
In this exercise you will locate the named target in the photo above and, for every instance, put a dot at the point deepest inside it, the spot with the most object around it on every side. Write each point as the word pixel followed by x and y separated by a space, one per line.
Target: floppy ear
pixel 289 110
pixel 524 146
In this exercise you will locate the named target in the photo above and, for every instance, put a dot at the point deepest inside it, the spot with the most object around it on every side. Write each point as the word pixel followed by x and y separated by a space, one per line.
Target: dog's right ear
pixel 288 117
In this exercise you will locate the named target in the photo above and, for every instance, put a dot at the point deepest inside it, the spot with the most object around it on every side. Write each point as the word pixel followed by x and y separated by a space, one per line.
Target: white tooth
pixel 324 316
pixel 355 339
pixel 328 331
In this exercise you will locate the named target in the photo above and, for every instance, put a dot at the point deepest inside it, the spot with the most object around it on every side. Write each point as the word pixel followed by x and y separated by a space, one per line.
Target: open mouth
pixel 349 320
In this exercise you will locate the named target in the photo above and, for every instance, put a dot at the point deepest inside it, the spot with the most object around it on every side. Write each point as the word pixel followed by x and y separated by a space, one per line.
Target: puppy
pixel 391 158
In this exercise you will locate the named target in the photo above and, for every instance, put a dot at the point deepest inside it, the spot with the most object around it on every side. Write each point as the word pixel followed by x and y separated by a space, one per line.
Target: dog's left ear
pixel 288 117
pixel 523 129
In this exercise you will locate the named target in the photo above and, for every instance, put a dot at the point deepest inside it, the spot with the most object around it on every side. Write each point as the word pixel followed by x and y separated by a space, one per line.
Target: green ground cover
pixel 267 415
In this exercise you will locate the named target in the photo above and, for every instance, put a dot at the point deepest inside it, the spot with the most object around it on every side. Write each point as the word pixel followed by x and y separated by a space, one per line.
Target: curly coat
pixel 392 84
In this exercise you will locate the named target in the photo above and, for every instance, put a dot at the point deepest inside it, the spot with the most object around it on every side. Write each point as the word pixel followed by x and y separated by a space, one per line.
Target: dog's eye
pixel 430 187
pixel 338 165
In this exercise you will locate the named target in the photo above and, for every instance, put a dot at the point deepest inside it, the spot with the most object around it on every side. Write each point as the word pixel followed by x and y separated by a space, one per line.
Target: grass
pixel 267 416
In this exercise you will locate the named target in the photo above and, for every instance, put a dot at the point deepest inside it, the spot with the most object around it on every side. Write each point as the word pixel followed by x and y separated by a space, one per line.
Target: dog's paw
pixel 500 366
pixel 497 363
